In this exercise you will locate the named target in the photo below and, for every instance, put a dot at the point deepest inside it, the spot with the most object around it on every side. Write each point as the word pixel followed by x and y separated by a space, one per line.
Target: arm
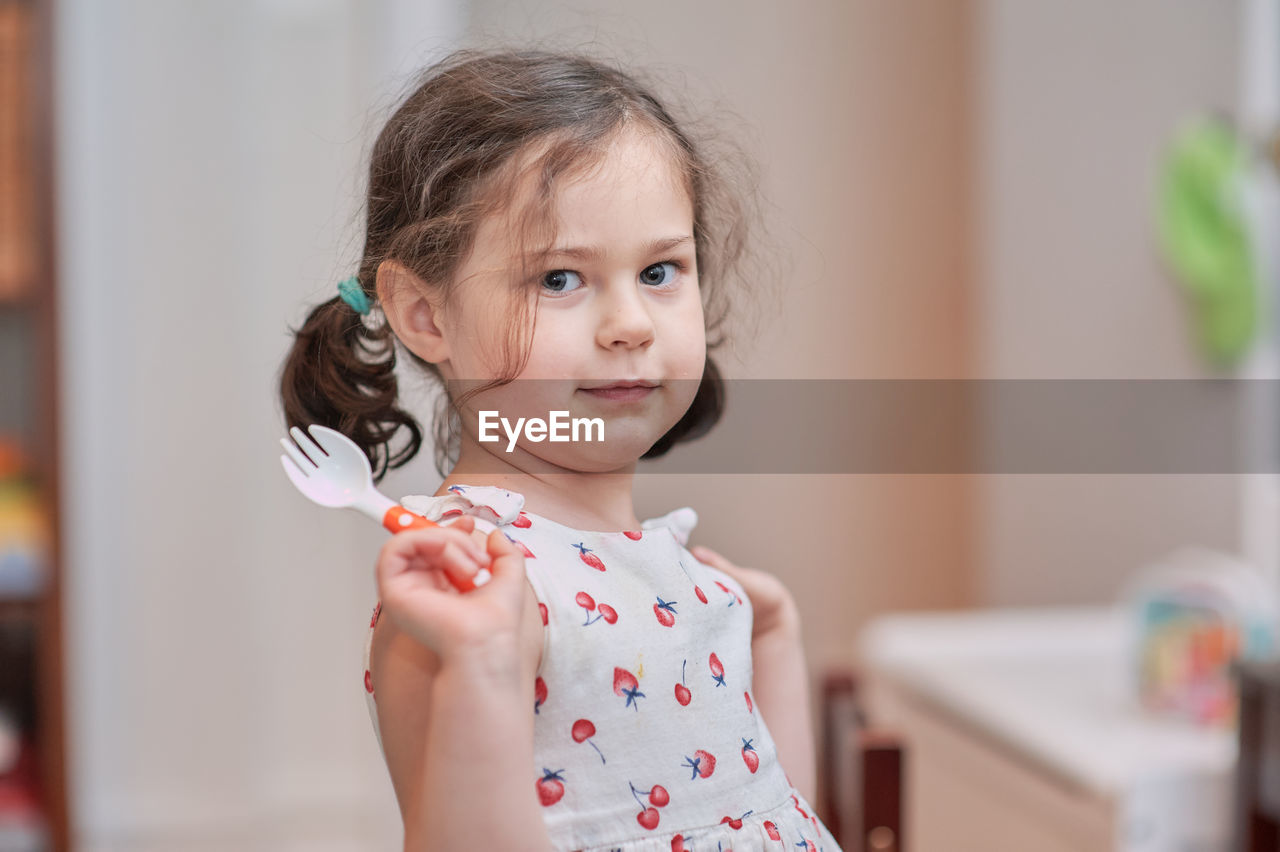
pixel 458 744
pixel 455 722
pixel 780 679
pixel 781 689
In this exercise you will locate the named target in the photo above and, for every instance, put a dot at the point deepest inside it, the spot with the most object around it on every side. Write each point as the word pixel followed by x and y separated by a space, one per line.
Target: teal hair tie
pixel 351 293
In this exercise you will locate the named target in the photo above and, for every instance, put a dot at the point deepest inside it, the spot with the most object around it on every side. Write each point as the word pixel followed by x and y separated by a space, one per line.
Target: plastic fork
pixel 330 469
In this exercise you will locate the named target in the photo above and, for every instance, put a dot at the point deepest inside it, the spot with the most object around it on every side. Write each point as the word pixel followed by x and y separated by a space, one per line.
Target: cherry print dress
pixel 646 738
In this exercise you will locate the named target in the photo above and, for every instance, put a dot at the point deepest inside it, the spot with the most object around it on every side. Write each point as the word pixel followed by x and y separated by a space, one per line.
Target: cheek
pixel 687 342
pixel 554 350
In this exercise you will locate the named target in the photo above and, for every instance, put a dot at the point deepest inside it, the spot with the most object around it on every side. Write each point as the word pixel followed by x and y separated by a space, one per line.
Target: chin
pixel 615 454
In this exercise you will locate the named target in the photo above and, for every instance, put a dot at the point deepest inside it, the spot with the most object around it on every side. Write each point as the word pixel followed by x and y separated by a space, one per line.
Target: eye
pixel 559 281
pixel 658 276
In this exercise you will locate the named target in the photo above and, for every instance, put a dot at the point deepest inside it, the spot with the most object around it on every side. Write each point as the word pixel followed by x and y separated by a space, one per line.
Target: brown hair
pixel 449 156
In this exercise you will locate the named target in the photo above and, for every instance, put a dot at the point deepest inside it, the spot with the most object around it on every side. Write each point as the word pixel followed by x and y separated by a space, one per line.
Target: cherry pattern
pixel 583 730
pixel 588 603
pixel 735 823
pixel 665 611
pixel 625 684
pixel 703 763
pixel 733 596
pixel 550 787
pixel 667 746
pixel 697 590
pixel 683 695
pixel 539 693
pixel 717 669
pixel 586 555
pixel 522 547
pixel 657 798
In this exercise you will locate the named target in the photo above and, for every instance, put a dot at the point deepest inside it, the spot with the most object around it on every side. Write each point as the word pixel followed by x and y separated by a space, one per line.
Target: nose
pixel 625 321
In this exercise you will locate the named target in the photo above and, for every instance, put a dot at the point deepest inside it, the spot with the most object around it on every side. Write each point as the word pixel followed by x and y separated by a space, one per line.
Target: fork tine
pixel 323 436
pixel 304 464
pixel 308 446
pixel 296 475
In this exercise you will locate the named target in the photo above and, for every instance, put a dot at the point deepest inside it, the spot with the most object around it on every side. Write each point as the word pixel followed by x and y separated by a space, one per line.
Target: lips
pixel 622 391
pixel 630 383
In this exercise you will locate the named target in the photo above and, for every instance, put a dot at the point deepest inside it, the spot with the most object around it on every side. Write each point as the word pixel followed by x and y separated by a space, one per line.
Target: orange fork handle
pixel 399 518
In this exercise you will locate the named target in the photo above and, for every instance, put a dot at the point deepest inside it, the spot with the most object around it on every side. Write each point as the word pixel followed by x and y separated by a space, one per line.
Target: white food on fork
pixel 330 469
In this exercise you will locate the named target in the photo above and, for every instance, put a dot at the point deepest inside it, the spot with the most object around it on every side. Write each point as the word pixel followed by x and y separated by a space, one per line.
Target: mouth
pixel 622 391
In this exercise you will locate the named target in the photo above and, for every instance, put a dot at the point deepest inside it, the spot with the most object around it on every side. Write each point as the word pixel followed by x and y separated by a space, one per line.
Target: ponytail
pixel 341 374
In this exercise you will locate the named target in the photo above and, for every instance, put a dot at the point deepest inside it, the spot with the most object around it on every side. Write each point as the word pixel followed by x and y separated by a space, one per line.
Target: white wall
pixel 1075 103
pixel 209 183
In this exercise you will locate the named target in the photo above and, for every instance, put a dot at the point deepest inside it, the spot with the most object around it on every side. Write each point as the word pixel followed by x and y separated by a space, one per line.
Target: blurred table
pixel 1022 734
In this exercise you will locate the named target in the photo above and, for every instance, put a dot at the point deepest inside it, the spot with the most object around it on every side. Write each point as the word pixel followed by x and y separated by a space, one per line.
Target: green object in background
pixel 1205 238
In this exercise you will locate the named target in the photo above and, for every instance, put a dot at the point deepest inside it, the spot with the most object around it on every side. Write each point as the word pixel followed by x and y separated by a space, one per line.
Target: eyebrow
pixel 595 253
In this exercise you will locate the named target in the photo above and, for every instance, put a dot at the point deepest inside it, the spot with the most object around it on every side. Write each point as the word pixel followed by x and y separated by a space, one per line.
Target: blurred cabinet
pixel 1022 735
pixel 33 806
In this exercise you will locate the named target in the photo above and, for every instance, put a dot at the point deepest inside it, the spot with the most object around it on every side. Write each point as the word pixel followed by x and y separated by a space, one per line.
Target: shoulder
pixel 490 504
pixel 680 521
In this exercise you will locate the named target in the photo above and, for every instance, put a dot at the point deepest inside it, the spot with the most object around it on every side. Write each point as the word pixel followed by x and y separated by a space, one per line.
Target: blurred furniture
pixel 33 806
pixel 1256 827
pixel 1022 735
pixel 860 794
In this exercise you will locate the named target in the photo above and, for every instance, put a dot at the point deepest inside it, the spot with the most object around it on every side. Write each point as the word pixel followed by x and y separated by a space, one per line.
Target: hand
pixel 413 572
pixel 772 604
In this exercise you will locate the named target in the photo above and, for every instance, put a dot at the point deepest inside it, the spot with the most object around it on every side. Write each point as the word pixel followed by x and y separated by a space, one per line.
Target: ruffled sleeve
pixel 681 522
pixel 491 506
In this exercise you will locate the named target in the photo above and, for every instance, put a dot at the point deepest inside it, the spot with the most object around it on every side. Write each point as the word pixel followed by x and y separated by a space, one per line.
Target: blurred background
pixel 960 189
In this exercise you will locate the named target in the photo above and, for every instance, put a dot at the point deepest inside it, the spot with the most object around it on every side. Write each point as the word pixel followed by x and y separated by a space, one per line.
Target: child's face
pixel 632 311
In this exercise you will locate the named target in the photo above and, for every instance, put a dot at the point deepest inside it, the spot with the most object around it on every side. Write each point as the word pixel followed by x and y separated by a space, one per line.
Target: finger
pixel 426 543
pixel 508 559
pixel 745 577
pixel 443 550
pixel 709 556
pixel 461 567
pixel 449 567
pixel 467 524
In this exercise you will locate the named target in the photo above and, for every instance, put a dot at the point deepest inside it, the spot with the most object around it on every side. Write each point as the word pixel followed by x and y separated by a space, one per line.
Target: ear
pixel 413 317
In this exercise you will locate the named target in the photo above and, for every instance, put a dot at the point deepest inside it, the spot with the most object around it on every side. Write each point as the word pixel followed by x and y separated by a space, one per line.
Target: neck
pixel 585 500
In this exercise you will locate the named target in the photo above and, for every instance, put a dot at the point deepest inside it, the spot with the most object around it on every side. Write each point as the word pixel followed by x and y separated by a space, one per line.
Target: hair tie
pixel 351 292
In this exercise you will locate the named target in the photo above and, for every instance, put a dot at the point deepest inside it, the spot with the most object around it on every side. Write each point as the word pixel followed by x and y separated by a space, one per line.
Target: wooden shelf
pixel 26 301
pixel 31 631
pixel 11 607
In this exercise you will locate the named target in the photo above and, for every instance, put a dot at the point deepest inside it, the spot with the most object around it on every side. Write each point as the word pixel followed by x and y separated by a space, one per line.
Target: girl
pixel 542 237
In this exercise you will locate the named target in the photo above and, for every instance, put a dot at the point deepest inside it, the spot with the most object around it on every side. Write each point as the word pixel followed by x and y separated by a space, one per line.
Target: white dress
pixel 645 733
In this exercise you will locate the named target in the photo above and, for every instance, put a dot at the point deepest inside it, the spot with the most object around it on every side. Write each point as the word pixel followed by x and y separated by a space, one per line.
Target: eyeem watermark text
pixel 560 427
